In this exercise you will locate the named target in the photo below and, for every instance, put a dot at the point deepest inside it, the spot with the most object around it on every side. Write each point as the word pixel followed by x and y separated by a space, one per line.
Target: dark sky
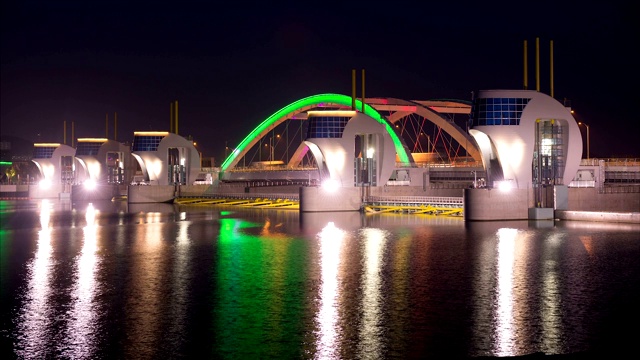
pixel 232 64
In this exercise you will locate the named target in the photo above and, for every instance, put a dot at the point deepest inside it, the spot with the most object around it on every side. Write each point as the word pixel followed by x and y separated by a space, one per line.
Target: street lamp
pixel 587 126
pixel 271 144
pixel 273 147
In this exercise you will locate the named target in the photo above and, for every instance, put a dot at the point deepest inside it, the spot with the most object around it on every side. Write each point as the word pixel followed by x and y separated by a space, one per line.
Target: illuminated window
pixel 43 152
pixel 88 148
pixel 497 111
pixel 146 142
pixel 327 126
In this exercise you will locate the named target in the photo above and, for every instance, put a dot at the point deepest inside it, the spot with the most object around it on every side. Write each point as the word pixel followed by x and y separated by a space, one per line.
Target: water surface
pixel 118 280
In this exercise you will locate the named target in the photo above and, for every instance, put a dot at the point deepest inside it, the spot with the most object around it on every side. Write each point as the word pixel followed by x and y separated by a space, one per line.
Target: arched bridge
pixel 277 143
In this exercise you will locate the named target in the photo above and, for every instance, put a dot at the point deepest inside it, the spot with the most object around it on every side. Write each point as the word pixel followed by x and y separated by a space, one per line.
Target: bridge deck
pixel 281 201
pixel 446 206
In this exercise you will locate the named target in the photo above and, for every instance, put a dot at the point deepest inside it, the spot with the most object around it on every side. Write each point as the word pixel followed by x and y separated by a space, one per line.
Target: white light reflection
pixel 81 331
pixel 36 316
pixel 331 239
pixel 45 214
pixel 179 299
pixel 144 302
pixel 505 327
pixel 550 307
pixel 370 330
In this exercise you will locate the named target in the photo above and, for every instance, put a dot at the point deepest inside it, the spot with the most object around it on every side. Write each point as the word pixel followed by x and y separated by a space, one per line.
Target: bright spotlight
pixel 90 184
pixel 45 184
pixel 370 152
pixel 505 185
pixel 331 185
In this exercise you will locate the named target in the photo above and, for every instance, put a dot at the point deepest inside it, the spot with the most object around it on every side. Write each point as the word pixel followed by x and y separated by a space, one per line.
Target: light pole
pixel 272 153
pixel 271 144
pixel 587 126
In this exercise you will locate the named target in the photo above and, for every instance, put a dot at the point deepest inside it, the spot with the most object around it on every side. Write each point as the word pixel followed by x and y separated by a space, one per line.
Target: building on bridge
pixel 526 138
pixel 104 166
pixel 531 148
pixel 56 165
pixel 166 160
pixel 353 151
pixel 103 161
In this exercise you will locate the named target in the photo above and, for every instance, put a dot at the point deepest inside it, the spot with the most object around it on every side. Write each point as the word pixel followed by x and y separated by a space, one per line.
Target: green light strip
pixel 6 163
pixel 317 100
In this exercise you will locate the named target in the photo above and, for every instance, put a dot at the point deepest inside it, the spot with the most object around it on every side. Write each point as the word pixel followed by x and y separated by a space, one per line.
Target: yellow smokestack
pixel 353 89
pixel 551 64
pixel 176 117
pixel 526 75
pixel 362 90
pixel 538 64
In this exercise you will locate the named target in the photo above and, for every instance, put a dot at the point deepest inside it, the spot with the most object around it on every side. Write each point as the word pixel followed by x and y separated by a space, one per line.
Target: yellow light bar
pixel 92 140
pixel 46 144
pixel 314 113
pixel 151 133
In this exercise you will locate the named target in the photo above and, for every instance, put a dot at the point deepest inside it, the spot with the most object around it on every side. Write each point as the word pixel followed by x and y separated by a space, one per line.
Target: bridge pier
pixel 320 199
pixel 497 204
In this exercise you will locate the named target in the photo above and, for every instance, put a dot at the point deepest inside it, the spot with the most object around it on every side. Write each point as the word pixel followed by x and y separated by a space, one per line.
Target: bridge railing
pixel 252 196
pixel 611 162
pixel 431 200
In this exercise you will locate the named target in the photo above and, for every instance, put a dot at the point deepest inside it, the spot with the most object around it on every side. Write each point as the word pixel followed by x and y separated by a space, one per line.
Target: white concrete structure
pixel 352 151
pixel 531 148
pixel 166 158
pixel 56 163
pixel 350 148
pixel 103 161
pixel 522 131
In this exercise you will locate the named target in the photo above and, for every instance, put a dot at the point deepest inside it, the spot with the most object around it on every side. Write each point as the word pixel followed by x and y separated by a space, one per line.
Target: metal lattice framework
pixel 429 127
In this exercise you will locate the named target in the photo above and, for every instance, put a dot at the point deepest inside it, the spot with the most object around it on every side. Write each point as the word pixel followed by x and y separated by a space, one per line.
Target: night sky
pixel 230 65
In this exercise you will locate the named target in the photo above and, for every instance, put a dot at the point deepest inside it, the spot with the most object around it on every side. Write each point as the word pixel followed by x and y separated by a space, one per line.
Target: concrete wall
pixel 14 191
pixel 52 192
pixel 495 204
pixel 588 199
pixel 612 217
pixel 100 192
pixel 318 199
pixel 150 193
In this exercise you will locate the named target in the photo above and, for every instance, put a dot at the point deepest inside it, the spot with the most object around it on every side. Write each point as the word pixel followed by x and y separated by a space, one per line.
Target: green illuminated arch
pixel 309 103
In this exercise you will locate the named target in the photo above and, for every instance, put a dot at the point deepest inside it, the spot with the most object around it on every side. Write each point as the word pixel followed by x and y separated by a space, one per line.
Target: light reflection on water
pixel 505 326
pixel 371 331
pixel 144 288
pixel 82 324
pixel 179 297
pixel 264 284
pixel 37 315
pixel 551 315
pixel 331 239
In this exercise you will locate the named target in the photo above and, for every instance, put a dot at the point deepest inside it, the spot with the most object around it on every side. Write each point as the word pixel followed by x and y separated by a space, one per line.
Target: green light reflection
pixel 260 292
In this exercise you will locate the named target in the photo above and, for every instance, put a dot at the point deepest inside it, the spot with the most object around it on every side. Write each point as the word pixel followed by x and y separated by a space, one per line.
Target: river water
pixel 117 280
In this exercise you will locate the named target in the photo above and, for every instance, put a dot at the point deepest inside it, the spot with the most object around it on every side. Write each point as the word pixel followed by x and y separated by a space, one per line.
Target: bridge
pixel 275 160
pixel 423 131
